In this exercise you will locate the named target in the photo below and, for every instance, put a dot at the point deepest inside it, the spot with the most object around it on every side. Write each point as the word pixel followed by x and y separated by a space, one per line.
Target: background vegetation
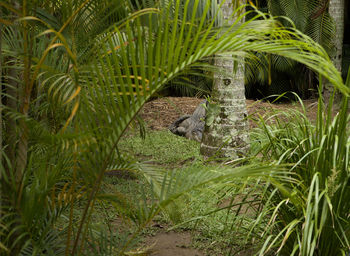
pixel 75 74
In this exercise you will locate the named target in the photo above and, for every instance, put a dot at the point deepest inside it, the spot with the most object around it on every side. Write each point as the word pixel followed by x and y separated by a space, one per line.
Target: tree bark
pixel 225 133
pixel 337 12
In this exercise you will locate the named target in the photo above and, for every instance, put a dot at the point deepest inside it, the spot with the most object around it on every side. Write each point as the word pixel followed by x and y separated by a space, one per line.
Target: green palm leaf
pixel 98 87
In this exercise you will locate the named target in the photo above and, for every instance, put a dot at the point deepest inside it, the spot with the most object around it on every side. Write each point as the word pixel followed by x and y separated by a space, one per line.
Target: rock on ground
pixel 191 126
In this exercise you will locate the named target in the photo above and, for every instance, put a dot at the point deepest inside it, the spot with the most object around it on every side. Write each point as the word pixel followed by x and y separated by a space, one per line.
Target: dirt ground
pixel 179 244
pixel 172 244
pixel 158 115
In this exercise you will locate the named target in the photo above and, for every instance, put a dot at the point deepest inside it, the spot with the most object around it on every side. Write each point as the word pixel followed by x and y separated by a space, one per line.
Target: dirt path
pixel 172 244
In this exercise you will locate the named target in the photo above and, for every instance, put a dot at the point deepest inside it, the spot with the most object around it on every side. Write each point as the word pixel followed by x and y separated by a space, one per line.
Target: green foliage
pixel 161 147
pixel 309 216
pixel 76 74
pixel 277 75
pixel 223 215
pixel 309 16
pixel 212 110
pixel 196 84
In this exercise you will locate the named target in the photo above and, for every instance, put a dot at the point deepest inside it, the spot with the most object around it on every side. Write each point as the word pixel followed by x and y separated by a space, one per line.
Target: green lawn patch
pixel 160 147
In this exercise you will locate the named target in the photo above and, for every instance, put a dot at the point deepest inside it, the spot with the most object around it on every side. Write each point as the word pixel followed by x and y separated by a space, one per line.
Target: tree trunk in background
pixel 337 12
pixel 225 132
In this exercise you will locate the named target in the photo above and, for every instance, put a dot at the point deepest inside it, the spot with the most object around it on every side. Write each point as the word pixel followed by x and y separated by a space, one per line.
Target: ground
pixel 158 115
pixel 172 244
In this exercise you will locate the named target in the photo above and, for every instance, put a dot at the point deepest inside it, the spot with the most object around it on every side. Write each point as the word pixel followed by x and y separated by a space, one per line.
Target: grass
pixel 160 147
pixel 222 220
pixel 111 225
pixel 163 150
pixel 230 219
pixel 217 220
pixel 218 223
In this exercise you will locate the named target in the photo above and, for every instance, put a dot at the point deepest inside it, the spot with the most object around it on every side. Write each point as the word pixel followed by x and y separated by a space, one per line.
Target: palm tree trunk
pixel 337 12
pixel 225 133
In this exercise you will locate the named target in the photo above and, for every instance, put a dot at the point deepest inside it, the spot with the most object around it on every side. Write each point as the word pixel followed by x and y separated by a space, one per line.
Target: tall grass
pixel 312 215
pixel 79 84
